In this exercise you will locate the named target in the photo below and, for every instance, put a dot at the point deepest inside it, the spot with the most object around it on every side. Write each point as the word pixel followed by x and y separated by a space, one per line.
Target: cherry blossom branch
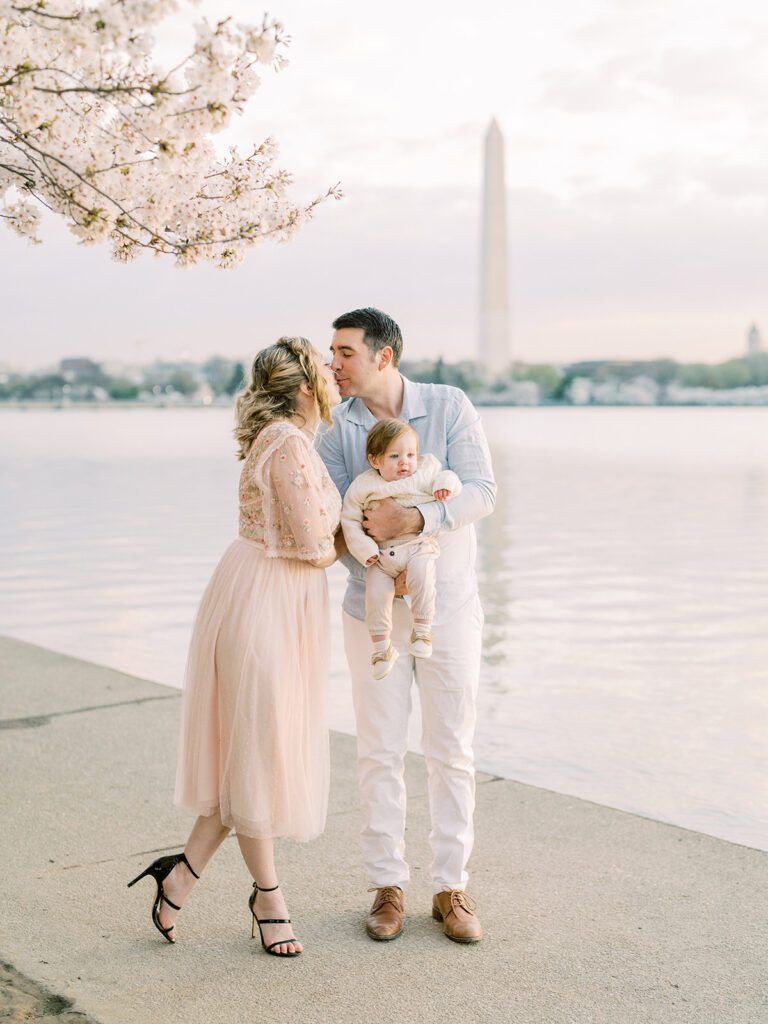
pixel 122 150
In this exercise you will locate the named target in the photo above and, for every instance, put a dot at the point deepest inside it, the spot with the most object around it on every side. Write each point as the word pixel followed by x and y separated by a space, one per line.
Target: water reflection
pixel 624 577
pixel 629 609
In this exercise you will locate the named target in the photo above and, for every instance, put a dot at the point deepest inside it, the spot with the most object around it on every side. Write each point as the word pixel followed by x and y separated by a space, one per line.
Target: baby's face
pixel 400 459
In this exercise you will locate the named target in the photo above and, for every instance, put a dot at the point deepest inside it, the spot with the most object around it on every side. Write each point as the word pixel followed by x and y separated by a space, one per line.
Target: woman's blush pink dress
pixel 254 734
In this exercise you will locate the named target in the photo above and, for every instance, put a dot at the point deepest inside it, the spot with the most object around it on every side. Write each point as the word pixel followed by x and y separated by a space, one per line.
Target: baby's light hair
pixel 381 436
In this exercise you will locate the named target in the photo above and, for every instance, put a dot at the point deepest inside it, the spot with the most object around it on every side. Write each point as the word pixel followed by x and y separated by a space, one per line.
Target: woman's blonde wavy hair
pixel 276 376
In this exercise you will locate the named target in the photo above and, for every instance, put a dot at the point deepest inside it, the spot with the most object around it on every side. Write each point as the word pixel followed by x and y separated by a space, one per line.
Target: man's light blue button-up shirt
pixel 449 428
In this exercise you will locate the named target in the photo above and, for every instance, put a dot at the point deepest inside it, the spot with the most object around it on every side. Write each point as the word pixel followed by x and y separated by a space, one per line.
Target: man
pixel 366 349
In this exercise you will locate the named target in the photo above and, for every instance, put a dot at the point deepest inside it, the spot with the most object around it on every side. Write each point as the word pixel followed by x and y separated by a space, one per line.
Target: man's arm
pixel 329 448
pixel 469 458
pixel 328 445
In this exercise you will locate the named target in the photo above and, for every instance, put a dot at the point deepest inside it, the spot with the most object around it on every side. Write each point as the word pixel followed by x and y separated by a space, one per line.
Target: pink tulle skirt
pixel 254 733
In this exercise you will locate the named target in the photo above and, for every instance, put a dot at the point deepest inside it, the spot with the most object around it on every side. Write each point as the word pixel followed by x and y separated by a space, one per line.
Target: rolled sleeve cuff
pixel 433 513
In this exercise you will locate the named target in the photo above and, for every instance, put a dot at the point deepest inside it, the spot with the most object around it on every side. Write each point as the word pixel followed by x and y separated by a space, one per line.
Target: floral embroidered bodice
pixel 288 503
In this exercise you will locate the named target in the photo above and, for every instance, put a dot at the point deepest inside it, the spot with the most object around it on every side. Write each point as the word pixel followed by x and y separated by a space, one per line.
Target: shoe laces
pixel 460 900
pixel 387 894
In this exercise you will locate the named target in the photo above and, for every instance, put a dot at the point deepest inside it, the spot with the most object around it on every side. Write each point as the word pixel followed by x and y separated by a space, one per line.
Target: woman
pixel 254 741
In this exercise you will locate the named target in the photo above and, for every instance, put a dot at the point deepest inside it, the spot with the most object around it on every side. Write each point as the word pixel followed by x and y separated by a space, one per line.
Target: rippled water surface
pixel 624 576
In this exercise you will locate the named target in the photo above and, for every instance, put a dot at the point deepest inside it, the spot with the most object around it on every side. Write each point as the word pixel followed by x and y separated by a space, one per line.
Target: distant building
pixel 123 371
pixel 579 391
pixel 78 367
pixel 754 340
pixel 524 392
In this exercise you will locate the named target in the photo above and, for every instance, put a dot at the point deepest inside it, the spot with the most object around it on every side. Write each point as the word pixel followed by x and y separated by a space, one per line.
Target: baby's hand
pixel 372 559
pixel 441 495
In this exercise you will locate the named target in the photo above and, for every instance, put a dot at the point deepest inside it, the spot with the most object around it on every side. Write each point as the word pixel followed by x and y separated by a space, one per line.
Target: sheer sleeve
pixel 298 521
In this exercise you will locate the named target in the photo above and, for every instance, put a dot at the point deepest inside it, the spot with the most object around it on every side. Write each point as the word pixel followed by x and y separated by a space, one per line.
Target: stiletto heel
pixel 273 920
pixel 159 870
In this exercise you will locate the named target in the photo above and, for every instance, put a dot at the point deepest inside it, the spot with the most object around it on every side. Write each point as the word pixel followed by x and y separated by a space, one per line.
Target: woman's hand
pixel 401 584
pixel 339 548
pixel 324 561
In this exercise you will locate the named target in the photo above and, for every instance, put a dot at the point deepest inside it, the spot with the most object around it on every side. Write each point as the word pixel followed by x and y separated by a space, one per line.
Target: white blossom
pixel 92 128
pixel 22 217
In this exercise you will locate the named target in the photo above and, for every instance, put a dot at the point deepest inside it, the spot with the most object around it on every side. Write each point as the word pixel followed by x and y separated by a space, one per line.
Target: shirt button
pixel 392 553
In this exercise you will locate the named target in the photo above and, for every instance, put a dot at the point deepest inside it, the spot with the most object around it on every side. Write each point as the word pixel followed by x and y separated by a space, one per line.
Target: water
pixel 624 576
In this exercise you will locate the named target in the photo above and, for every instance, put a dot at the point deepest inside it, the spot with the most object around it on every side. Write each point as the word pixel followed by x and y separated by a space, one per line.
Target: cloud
pixel 612 31
pixel 736 180
pixel 614 84
pixel 724 76
pixel 718 75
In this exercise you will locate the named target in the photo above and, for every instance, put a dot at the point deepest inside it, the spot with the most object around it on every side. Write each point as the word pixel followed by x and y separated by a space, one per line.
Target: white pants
pixel 447 687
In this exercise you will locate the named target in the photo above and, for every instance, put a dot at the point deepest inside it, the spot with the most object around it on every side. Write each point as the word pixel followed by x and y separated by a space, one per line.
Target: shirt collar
pixel 413 406
pixel 413 403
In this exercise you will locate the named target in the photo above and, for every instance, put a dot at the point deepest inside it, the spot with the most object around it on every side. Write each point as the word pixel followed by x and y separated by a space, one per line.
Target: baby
pixel 398 472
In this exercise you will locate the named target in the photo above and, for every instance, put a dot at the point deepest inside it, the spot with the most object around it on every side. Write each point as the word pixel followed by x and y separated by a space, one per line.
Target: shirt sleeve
pixel 470 459
pixel 329 450
pixel 298 524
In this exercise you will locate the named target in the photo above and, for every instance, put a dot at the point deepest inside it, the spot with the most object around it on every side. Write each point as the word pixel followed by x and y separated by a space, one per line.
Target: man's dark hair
pixel 379 330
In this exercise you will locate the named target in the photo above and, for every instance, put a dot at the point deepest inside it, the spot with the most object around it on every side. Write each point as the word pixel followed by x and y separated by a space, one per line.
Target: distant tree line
pixel 553 382
pixel 84 380
pixel 220 378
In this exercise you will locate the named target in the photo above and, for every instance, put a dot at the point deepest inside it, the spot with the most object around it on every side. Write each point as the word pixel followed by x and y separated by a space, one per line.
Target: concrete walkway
pixel 592 915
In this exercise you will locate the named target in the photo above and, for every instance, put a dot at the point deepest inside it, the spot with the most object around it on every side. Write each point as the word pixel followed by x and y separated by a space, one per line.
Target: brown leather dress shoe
pixel 456 910
pixel 385 921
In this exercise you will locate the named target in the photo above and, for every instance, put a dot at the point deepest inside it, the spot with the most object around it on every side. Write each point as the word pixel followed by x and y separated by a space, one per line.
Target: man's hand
pixel 340 543
pixel 442 495
pixel 401 584
pixel 389 520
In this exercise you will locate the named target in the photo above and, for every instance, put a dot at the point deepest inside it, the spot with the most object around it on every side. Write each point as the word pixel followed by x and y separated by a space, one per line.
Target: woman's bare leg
pixel 206 837
pixel 258 855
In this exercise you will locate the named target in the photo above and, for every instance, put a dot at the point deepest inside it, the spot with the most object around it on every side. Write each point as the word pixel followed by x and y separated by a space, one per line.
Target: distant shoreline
pixel 173 406
pixel 66 406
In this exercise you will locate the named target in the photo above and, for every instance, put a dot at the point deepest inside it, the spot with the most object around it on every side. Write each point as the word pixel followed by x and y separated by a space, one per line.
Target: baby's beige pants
pixel 418 557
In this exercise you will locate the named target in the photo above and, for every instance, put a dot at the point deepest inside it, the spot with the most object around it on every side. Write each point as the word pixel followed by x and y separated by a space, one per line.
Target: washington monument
pixel 495 354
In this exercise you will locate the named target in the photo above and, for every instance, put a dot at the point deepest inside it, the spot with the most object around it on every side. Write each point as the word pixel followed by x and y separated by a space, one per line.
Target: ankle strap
pixel 183 857
pixel 257 886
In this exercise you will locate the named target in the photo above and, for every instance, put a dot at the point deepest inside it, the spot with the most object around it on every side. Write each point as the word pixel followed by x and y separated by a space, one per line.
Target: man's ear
pixel 385 356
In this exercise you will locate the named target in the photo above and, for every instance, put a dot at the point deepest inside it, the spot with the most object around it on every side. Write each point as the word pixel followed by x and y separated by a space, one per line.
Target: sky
pixel 637 175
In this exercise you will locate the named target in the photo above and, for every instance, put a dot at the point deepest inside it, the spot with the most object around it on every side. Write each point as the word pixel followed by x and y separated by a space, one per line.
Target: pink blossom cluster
pixel 92 128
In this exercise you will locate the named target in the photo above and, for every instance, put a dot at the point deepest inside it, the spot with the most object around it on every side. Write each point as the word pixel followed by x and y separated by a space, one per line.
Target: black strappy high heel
pixel 159 870
pixel 281 920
